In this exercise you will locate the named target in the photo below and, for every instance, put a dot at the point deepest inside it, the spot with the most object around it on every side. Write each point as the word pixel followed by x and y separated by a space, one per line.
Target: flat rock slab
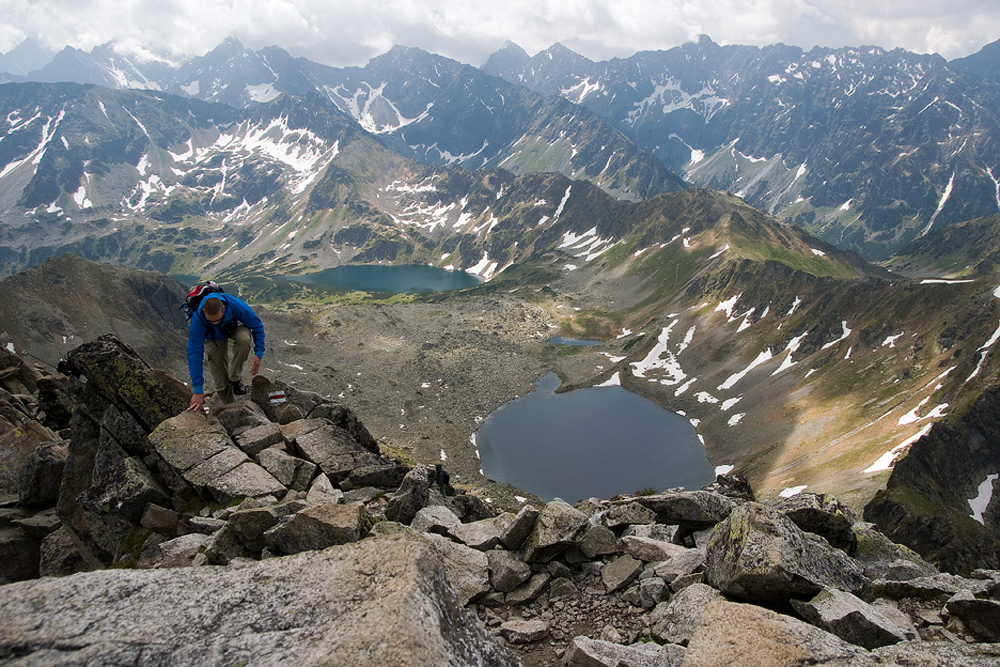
pixel 382 601
pixel 742 634
pixel 247 480
pixel 318 527
pixel 620 573
pixel 585 652
pixel 853 619
pixel 188 440
pixel 334 451
pixel 691 509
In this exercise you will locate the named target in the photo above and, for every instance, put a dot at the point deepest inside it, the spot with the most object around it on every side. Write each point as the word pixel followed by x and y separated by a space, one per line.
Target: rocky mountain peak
pixel 509 56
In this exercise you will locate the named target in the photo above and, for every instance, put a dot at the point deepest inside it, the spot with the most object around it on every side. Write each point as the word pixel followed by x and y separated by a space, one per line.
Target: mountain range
pixel 866 148
pixel 802 363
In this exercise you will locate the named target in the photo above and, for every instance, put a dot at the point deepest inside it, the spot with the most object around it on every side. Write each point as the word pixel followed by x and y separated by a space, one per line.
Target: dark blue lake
pixel 403 278
pixel 596 442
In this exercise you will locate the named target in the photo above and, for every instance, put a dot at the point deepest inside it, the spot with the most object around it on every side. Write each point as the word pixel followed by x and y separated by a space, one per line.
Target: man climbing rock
pixel 220 318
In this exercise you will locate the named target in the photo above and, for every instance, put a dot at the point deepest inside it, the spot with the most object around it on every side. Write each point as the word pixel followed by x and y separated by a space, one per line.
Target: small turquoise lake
pixel 404 278
pixel 594 442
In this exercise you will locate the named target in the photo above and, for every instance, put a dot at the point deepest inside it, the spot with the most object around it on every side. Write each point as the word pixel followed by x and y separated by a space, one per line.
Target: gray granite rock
pixel 597 541
pixel 334 451
pixel 519 631
pixel 853 619
pixel 530 590
pixel 39 478
pixel 679 566
pixel 411 496
pixel 291 471
pixel 628 514
pixel 250 525
pixel 586 652
pixel 558 526
pixel 822 515
pixel 620 573
pixel 19 555
pixel 675 623
pixel 435 519
pixel 507 572
pixel 980 616
pixel 650 550
pixel 515 528
pixel 318 527
pixel 271 613
pixel 255 440
pixel 760 556
pixel 688 509
pixel 466 569
pixel 744 634
pixel 881 558
pixel 59 555
pixel 482 535
pixel 321 491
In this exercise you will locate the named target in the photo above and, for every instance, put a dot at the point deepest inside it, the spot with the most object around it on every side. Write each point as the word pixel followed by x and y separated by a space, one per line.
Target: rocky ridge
pixel 220 525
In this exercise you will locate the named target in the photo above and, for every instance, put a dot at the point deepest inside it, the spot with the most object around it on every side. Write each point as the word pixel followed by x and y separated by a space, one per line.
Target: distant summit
pixel 26 57
pixel 510 58
pixel 984 64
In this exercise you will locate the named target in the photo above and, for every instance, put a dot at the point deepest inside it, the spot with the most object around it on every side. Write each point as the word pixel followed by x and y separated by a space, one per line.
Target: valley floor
pixel 420 376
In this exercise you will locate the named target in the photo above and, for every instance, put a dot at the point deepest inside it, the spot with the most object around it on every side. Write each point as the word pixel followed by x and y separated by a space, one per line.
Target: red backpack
pixel 194 297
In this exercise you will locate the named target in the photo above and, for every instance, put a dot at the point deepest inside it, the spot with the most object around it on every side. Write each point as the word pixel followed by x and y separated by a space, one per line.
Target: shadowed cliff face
pixel 52 308
pixel 926 502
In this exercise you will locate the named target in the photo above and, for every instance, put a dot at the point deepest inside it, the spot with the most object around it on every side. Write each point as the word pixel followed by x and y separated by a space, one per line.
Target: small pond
pixel 595 442
pixel 402 278
pixel 559 340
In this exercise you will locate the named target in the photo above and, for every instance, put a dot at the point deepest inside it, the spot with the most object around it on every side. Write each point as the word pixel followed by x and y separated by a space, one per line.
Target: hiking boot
pixel 239 388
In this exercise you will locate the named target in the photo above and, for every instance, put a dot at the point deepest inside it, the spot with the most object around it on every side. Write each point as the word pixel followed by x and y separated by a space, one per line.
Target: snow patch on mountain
pixel 984 495
pixel 299 149
pixel 727 306
pixel 580 91
pixel 843 336
pixel 761 358
pixel 35 156
pixel 80 197
pixel 984 350
pixel 944 200
pixel 793 345
pixel 661 362
pixel 373 111
pixel 996 184
pixel 587 245
pixel 669 96
pixel 885 461
pixel 262 92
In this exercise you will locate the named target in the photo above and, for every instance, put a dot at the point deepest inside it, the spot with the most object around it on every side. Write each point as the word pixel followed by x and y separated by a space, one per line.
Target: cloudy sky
pixel 350 32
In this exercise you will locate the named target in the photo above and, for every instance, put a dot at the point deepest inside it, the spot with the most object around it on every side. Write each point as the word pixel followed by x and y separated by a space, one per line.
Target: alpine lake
pixel 395 279
pixel 593 442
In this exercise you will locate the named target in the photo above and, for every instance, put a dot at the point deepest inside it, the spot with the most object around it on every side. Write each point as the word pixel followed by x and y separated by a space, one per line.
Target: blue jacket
pixel 201 330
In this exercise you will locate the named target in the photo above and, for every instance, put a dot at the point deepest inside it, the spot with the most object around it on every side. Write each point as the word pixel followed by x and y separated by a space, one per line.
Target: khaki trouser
pixel 226 371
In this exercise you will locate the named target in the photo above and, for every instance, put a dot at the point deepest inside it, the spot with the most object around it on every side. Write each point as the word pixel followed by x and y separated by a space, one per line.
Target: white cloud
pixel 350 32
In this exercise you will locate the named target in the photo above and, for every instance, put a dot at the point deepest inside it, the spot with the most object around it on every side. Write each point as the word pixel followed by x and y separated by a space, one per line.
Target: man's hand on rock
pixel 197 401
pixel 255 365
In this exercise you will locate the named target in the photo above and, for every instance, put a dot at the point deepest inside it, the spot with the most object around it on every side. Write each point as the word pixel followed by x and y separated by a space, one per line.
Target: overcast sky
pixel 350 32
